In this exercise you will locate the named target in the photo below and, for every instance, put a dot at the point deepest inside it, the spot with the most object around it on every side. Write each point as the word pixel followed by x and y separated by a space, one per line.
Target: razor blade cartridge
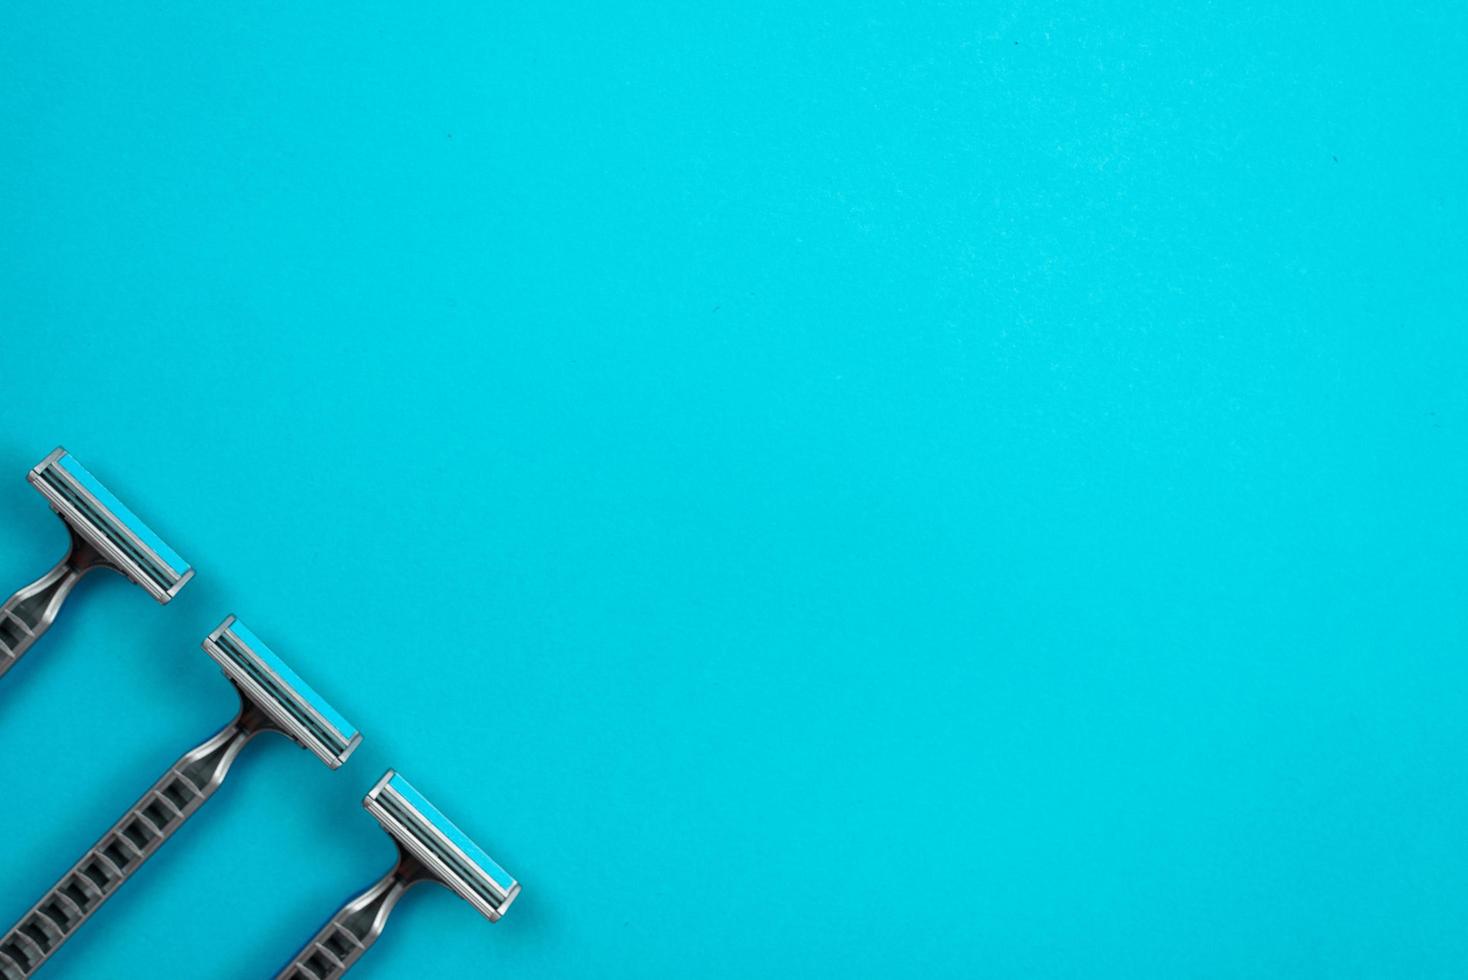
pixel 104 534
pixel 117 534
pixel 444 849
pixel 291 704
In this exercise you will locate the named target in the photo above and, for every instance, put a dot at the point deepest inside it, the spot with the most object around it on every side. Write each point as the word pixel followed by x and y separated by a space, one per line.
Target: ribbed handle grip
pixel 118 855
pixel 349 933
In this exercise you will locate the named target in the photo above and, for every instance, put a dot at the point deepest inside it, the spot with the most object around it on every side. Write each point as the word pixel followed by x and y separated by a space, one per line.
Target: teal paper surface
pixel 930 490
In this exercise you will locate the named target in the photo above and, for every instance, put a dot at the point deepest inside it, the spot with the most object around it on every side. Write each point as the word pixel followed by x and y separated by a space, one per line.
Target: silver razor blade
pixel 430 848
pixel 104 534
pixel 272 699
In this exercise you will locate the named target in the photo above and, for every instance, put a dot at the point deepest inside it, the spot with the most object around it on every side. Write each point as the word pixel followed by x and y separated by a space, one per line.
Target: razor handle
pixel 354 928
pixel 155 818
pixel 32 610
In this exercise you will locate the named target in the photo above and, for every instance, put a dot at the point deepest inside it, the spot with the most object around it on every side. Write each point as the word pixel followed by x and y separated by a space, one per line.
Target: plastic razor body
pixel 272 698
pixel 430 848
pixel 104 534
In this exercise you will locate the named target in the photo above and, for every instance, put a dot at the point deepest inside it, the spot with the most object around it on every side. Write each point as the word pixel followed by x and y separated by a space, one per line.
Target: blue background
pixel 815 489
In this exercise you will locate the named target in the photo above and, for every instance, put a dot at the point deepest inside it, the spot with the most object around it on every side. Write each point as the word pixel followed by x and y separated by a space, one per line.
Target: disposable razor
pixel 104 534
pixel 430 848
pixel 272 699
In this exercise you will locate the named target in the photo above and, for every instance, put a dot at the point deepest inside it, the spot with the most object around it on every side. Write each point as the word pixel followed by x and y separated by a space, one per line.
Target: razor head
pixel 443 849
pixel 266 681
pixel 115 532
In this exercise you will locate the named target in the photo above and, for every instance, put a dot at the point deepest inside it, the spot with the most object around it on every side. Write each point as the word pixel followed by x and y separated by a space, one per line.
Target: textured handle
pixel 32 610
pixel 121 851
pixel 354 928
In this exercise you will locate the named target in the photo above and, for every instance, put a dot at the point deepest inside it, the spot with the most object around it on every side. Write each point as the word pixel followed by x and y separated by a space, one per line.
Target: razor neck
pixel 31 611
pixel 207 765
pixel 355 927
pixel 371 908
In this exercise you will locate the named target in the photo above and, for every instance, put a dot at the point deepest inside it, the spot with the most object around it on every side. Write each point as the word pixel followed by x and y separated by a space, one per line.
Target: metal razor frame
pixel 28 613
pixel 357 925
pixel 187 785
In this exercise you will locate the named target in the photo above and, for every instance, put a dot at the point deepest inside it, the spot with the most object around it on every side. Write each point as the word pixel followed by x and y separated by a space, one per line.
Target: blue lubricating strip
pixel 430 813
pixel 79 473
pixel 300 687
